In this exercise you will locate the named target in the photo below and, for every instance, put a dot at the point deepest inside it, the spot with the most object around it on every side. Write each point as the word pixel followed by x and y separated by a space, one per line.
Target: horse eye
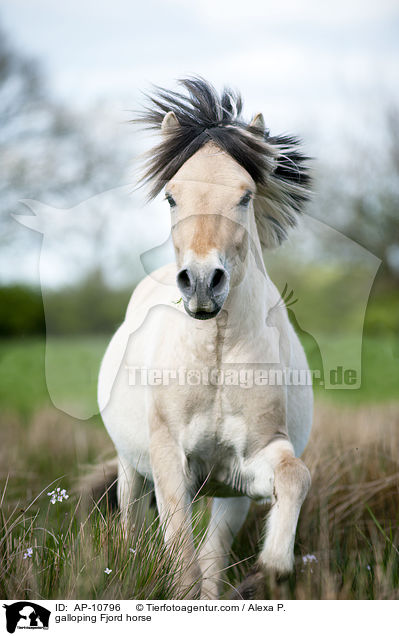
pixel 170 200
pixel 245 199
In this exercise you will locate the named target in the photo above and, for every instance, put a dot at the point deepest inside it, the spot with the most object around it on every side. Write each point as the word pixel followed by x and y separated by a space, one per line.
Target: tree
pixel 359 196
pixel 47 151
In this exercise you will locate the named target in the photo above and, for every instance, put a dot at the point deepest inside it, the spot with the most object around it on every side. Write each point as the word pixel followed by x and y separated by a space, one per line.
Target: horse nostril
pixel 184 281
pixel 218 281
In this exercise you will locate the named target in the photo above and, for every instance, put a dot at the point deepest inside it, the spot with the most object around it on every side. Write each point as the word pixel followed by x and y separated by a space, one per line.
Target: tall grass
pixel 350 519
pixel 349 523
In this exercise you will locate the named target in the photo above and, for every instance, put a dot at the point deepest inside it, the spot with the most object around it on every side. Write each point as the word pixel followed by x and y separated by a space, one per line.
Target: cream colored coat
pixel 243 442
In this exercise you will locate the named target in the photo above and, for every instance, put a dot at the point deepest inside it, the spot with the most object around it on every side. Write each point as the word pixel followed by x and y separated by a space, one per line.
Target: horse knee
pixel 291 479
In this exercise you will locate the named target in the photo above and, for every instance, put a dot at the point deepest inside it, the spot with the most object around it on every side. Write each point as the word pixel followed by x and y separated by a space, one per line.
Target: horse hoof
pixel 252 587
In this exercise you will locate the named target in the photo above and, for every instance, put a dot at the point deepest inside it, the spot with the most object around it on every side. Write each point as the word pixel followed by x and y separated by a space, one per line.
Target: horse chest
pixel 212 451
pixel 213 444
pixel 210 438
pixel 221 437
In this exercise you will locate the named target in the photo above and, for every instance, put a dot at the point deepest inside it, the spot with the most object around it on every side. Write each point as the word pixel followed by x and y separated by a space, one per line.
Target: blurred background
pixel 77 235
pixel 71 77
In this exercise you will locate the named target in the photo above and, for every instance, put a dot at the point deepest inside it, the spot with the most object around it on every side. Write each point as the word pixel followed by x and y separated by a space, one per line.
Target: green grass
pixel 72 369
pixel 70 554
pixel 379 370
pixel 69 379
pixel 22 378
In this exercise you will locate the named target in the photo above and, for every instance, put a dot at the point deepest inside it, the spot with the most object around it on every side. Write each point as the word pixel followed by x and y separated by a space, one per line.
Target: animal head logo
pixel 26 615
pixel 149 246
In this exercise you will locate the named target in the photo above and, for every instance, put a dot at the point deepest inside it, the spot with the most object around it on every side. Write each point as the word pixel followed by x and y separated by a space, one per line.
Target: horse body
pixel 157 334
pixel 187 434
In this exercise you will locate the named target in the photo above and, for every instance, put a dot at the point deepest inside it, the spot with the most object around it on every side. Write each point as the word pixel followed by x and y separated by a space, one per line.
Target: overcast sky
pixel 323 70
pixel 309 65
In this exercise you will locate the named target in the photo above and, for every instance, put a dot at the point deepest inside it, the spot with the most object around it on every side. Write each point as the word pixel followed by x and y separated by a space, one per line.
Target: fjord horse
pixel 200 325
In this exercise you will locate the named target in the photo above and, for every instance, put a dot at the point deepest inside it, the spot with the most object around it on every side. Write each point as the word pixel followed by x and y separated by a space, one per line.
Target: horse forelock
pixel 276 164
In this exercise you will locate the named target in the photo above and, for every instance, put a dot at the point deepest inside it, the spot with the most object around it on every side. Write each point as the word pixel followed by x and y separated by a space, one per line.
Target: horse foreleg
pixel 291 482
pixel 227 517
pixel 174 507
pixel 291 485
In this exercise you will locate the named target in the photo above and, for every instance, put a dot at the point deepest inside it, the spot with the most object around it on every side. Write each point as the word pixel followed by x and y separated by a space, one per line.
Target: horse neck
pixel 244 314
pixel 250 295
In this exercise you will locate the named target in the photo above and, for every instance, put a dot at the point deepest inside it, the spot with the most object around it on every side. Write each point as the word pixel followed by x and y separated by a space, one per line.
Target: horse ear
pixel 169 123
pixel 258 122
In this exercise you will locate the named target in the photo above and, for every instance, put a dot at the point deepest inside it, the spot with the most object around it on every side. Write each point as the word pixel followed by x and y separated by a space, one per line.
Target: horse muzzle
pixel 203 291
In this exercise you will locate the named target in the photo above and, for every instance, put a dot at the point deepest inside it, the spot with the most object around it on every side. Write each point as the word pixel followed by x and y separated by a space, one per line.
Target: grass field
pixel 73 368
pixel 349 522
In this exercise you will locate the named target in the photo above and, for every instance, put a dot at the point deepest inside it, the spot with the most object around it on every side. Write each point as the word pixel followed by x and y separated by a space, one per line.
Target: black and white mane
pixel 276 164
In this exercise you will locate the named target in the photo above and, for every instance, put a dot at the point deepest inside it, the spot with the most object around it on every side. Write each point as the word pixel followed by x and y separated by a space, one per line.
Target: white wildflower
pixel 58 495
pixel 107 571
pixel 29 553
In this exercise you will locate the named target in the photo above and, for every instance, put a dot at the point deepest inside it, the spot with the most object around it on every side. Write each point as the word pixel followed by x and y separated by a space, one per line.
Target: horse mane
pixel 276 164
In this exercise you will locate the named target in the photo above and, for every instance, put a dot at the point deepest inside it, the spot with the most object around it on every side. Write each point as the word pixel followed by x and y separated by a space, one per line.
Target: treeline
pixel 21 311
pixel 89 308
pixel 93 307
